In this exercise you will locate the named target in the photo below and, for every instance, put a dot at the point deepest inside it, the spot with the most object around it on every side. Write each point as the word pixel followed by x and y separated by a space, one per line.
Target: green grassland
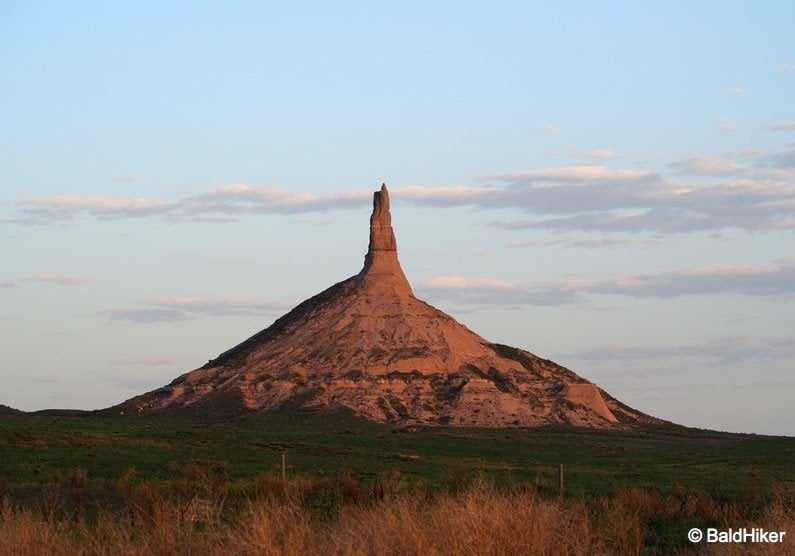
pixel 38 449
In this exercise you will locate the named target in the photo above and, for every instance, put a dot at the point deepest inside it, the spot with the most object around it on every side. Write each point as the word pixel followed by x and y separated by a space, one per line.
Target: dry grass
pixel 340 516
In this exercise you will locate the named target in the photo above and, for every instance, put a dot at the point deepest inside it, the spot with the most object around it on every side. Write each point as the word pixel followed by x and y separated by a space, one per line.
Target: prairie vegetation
pixel 181 485
pixel 200 512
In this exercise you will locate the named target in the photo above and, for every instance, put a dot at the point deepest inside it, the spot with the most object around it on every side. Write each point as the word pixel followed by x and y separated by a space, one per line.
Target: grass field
pixel 73 470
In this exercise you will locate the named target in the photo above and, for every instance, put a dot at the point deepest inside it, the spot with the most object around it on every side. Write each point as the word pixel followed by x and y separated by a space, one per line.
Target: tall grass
pixel 201 513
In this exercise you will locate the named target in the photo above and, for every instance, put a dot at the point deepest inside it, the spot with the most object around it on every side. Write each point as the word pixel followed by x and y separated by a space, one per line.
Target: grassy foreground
pixel 190 484
pixel 338 516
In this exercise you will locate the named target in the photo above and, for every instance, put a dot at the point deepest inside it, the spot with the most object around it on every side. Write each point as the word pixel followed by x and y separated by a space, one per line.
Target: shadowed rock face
pixel 369 345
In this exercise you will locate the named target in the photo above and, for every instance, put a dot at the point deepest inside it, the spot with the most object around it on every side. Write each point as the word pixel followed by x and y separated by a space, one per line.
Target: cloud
pixel 524 243
pixel 572 174
pixel 63 207
pixel 721 351
pixel 725 124
pixel 734 92
pixel 772 280
pixel 185 307
pixel 7 285
pixel 707 166
pixel 149 362
pixel 600 154
pixel 780 160
pixel 600 243
pixel 548 129
pixel 487 291
pixel 598 199
pixel 242 198
pixel 128 178
pixel 788 68
pixel 459 282
pixel 757 195
pixel 782 126
pixel 580 243
pixel 147 315
pixel 763 281
pixel 59 279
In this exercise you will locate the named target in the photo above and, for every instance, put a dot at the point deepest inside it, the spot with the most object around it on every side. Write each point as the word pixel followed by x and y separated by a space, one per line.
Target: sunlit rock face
pixel 367 344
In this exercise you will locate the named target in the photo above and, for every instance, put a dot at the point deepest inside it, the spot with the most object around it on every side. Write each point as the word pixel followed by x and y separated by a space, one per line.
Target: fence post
pixel 284 471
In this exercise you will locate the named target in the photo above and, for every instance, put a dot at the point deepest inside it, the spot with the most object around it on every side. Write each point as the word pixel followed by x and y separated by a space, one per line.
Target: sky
pixel 608 185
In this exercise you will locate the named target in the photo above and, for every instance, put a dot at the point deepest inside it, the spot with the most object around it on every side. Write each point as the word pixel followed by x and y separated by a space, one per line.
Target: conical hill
pixel 369 345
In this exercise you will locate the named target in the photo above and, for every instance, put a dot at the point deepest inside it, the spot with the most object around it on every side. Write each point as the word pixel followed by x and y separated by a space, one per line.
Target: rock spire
pixel 368 345
pixel 381 266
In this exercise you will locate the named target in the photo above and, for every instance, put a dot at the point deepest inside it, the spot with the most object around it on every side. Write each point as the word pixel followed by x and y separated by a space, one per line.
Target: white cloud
pixel 59 279
pixel 788 68
pixel 548 129
pixel 707 166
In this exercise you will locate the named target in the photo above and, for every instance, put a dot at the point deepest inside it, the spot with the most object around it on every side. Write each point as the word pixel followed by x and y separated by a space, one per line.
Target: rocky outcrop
pixel 369 345
pixel 382 269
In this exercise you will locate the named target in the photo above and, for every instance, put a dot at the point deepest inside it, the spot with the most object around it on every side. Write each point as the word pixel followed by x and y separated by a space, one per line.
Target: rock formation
pixel 367 344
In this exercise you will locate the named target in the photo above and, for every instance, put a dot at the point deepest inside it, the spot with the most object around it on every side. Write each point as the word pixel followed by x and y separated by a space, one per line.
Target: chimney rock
pixel 381 265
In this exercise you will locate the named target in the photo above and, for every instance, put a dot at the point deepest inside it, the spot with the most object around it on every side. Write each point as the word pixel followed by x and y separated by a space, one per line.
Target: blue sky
pixel 611 186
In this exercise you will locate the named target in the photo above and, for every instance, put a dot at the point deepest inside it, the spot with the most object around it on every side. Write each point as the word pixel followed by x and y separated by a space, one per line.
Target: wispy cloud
pixel 469 291
pixel 755 195
pixel 548 129
pixel 707 166
pixel 781 160
pixel 459 282
pixel 242 198
pixel 734 92
pixel 772 280
pixel 128 178
pixel 7 285
pixel 722 350
pixel 600 154
pixel 577 174
pixel 149 362
pixel 64 207
pixel 185 307
pixel 764 281
pixel 788 68
pixel 782 126
pixel 726 124
pixel 59 279
pixel 602 242
pixel 520 243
